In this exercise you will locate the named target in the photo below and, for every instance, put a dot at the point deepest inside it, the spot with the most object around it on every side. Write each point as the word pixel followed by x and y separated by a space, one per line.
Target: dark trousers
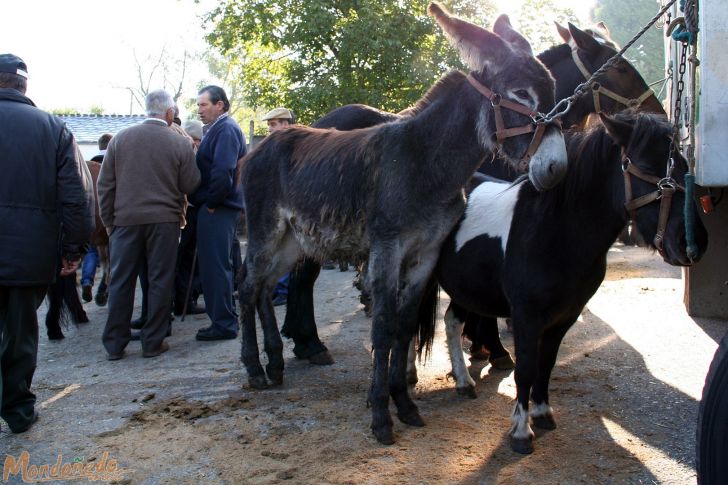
pixel 127 246
pixel 185 256
pixel 215 233
pixel 18 351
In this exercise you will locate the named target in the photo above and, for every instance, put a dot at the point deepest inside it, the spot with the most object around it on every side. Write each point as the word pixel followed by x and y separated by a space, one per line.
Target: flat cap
pixel 278 114
pixel 13 65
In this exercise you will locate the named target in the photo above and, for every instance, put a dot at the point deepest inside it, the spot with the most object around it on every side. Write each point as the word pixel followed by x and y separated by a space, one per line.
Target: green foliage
pixel 627 17
pixel 96 110
pixel 536 23
pixel 314 55
pixel 64 111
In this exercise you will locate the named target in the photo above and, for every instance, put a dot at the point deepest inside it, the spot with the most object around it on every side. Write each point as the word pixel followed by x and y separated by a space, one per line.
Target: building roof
pixel 88 128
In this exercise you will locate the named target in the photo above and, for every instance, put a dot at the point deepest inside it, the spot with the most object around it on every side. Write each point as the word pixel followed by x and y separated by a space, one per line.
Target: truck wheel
pixel 712 431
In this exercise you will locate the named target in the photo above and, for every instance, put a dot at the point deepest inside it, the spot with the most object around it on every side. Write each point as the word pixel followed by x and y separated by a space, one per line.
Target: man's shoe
pixel 117 356
pixel 163 347
pixel 26 427
pixel 86 293
pixel 210 333
pixel 138 323
pixel 280 300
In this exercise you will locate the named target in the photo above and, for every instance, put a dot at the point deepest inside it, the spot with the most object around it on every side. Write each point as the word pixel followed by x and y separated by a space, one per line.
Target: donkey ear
pixel 603 26
pixel 477 46
pixel 502 27
pixel 619 131
pixel 563 32
pixel 582 39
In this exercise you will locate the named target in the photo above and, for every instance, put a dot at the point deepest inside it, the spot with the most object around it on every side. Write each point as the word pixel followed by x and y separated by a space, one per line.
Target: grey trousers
pixel 127 246
pixel 18 351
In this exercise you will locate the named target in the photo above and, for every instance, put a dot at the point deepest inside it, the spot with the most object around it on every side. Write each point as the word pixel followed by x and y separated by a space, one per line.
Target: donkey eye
pixel 523 94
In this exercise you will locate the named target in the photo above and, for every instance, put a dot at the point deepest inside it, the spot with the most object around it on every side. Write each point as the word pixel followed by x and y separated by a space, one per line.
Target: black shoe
pixel 26 427
pixel 86 293
pixel 138 323
pixel 211 333
pixel 280 299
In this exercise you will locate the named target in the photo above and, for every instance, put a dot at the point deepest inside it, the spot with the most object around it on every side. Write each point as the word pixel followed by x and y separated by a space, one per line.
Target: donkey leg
pixel 53 316
pixel 499 357
pixel 526 333
pixel 272 342
pixel 411 365
pixel 407 411
pixel 542 414
pixel 102 292
pixel 454 322
pixel 248 293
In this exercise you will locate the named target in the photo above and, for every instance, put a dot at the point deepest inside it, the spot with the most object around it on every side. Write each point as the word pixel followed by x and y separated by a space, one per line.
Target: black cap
pixel 13 64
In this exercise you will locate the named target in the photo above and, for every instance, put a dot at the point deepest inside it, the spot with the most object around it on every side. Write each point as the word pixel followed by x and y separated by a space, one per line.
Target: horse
pixel 390 194
pixel 539 257
pixel 592 47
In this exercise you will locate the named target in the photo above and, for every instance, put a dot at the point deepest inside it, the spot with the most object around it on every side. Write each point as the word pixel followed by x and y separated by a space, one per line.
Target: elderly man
pixel 219 201
pixel 45 197
pixel 146 172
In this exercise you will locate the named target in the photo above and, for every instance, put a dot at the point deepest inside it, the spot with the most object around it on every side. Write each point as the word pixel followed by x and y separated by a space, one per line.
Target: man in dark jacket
pixel 45 198
pixel 220 200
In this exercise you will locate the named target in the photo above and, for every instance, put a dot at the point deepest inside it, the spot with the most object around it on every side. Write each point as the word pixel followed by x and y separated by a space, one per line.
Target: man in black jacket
pixel 45 199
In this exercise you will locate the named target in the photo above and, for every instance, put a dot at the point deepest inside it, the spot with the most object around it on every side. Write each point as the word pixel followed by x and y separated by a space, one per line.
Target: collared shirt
pixel 206 128
pixel 155 120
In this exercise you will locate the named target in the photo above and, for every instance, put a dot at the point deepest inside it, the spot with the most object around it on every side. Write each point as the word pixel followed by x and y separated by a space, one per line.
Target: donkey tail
pixel 426 318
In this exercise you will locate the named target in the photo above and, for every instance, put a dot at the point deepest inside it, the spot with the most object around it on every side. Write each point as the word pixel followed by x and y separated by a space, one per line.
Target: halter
pixel 537 124
pixel 598 89
pixel 666 187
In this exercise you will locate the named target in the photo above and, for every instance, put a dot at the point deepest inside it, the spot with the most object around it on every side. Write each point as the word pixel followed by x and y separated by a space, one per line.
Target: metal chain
pixel 585 87
pixel 677 112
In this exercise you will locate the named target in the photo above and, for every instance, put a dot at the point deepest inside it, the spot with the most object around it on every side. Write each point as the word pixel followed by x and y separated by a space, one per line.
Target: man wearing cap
pixel 45 198
pixel 278 119
pixel 219 200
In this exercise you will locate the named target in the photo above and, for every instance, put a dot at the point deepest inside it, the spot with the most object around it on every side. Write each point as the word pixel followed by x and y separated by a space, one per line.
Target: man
pixel 146 172
pixel 45 197
pixel 219 201
pixel 91 260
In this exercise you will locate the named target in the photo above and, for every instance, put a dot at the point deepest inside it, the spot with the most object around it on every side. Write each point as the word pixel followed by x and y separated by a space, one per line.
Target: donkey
pixel 390 194
pixel 539 257
pixel 622 80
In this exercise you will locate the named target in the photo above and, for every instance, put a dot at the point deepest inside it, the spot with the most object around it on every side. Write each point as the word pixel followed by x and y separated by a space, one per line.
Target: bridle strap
pixel 598 89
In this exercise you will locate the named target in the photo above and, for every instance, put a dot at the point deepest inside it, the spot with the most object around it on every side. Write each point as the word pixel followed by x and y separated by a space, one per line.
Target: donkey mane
pixel 446 83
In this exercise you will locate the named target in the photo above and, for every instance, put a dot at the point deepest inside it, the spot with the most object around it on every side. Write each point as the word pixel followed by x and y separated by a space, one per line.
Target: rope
pixel 689 215
pixel 585 87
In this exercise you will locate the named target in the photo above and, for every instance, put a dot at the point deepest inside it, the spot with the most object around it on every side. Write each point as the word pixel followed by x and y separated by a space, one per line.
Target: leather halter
pixel 598 89
pixel 666 187
pixel 501 132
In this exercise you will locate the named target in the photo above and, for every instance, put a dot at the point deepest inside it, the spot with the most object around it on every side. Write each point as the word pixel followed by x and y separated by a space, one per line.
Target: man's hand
pixel 69 267
pixel 211 211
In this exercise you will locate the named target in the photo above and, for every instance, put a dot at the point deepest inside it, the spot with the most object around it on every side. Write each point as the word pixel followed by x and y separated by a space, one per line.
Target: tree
pixel 315 55
pixel 536 22
pixel 164 71
pixel 625 18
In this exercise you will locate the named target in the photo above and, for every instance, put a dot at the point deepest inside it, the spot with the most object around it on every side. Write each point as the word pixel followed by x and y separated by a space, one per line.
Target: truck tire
pixel 712 430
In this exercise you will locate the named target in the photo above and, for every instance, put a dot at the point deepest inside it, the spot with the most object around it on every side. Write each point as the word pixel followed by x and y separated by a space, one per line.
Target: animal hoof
pixel 412 378
pixel 504 362
pixel 56 335
pixel 545 421
pixel 479 353
pixel 467 391
pixel 258 382
pixel 275 376
pixel 322 358
pixel 82 318
pixel 384 435
pixel 101 299
pixel 412 419
pixel 523 446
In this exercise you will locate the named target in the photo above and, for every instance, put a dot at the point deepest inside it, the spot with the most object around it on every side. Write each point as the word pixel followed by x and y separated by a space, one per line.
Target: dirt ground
pixel 625 393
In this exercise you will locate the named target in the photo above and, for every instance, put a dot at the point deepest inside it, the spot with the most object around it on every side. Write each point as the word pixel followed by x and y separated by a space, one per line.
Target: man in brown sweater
pixel 146 171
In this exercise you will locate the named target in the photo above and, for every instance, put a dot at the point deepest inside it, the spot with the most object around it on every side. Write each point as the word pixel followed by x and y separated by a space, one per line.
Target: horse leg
pixel 53 316
pixel 526 333
pixel 384 263
pixel 455 317
pixel 411 365
pixel 300 324
pixel 102 292
pixel 72 300
pixel 542 414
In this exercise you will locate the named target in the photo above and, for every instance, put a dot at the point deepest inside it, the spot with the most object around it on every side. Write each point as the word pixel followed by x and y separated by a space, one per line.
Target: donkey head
pixel 645 141
pixel 503 64
pixel 593 48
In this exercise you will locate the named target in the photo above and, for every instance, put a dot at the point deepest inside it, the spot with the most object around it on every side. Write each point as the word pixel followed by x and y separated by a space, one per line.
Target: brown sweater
pixel 146 170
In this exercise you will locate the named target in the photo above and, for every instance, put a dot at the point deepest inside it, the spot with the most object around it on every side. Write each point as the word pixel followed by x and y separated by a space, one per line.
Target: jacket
pixel 217 158
pixel 46 195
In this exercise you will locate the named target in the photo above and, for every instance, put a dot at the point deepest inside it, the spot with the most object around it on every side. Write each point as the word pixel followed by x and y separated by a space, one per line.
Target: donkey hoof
pixel 479 354
pixel 101 299
pixel 55 335
pixel 258 382
pixel 545 421
pixel 467 391
pixel 322 358
pixel 384 435
pixel 412 378
pixel 504 362
pixel 412 418
pixel 523 446
pixel 275 376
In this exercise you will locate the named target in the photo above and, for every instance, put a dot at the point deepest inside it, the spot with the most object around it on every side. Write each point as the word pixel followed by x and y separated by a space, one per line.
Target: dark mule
pixel 539 257
pixel 389 194
pixel 624 80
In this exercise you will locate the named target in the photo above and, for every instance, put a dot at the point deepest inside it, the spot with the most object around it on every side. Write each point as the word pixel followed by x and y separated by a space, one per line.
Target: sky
pixel 81 53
